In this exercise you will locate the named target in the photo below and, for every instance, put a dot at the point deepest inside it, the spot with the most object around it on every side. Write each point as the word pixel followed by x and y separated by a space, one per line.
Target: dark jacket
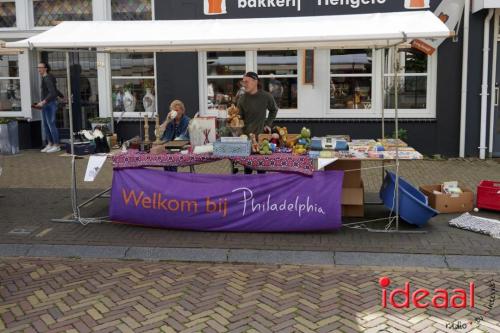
pixel 173 130
pixel 49 88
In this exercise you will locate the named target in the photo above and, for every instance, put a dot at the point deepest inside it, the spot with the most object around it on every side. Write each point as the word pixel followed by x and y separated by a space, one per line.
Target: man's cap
pixel 252 75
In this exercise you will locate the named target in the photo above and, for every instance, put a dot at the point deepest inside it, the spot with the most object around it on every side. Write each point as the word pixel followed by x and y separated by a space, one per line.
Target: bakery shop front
pixel 342 90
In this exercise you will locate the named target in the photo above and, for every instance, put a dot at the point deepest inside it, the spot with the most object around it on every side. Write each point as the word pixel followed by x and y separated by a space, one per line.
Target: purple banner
pixel 271 202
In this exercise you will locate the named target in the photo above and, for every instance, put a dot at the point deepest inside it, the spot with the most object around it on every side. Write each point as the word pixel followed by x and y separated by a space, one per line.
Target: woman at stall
pixel 175 126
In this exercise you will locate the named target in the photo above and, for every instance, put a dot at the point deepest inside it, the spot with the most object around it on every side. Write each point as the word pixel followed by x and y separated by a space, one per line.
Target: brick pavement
pixel 117 296
pixel 35 187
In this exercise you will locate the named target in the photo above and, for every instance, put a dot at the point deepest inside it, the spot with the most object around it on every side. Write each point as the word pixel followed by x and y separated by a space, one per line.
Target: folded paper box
pixel 448 203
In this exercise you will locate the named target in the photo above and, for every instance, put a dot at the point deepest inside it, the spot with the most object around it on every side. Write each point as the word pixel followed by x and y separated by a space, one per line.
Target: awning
pixel 367 30
pixel 478 5
pixel 8 51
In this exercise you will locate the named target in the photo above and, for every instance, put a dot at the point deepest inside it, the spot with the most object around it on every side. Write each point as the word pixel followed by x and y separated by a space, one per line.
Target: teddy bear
pixel 233 117
pixel 283 135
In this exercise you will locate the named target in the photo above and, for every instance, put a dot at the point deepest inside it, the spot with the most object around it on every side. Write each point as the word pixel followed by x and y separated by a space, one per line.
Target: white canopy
pixel 367 30
pixel 478 5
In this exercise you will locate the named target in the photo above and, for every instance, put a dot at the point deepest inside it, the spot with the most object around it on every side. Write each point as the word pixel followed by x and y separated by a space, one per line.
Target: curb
pixel 253 256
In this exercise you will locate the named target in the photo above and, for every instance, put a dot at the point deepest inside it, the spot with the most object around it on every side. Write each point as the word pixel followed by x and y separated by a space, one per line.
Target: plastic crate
pixel 229 149
pixel 413 206
pixel 488 195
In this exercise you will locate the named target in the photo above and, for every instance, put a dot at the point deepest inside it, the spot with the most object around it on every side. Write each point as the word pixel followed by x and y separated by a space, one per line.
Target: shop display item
pixel 234 117
pixel 392 143
pixel 305 138
pixel 202 131
pixel 254 143
pixel 146 129
pixel 299 150
pixel 148 101
pixel 158 131
pixel 229 149
pixel 275 139
pixel 129 101
pixel 265 149
pixel 283 135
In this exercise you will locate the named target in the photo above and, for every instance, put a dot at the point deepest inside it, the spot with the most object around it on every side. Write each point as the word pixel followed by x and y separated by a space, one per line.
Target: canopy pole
pixel 396 128
pixel 74 194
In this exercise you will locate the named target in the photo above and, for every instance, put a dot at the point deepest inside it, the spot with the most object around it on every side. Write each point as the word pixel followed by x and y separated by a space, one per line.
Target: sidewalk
pixel 116 296
pixel 35 187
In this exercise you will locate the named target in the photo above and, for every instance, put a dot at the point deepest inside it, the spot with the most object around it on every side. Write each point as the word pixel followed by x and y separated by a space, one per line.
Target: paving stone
pixel 281 257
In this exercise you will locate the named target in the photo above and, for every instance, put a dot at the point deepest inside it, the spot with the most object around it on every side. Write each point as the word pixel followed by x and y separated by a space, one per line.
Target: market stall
pixel 380 30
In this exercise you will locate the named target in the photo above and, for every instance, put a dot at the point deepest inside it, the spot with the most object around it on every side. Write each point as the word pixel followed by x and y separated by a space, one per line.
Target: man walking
pixel 48 104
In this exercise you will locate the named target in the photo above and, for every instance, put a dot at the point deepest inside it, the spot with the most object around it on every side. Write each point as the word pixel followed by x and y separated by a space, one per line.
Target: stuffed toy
pixel 255 145
pixel 305 138
pixel 283 135
pixel 233 117
pixel 265 149
pixel 275 138
pixel 299 150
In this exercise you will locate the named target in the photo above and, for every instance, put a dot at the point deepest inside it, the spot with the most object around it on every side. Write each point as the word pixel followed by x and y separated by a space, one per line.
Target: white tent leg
pixel 74 193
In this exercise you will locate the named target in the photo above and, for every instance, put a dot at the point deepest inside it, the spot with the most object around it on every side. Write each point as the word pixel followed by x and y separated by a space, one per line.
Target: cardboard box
pixel 447 203
pixel 353 199
pixel 352 179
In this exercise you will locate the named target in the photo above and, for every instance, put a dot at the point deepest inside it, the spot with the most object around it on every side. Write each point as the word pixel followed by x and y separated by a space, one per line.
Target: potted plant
pixel 9 137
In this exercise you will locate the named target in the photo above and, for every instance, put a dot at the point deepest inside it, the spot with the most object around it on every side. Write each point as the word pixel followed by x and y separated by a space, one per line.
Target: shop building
pixel 337 91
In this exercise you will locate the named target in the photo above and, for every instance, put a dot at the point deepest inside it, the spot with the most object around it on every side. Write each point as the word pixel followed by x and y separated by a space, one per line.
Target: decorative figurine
pixel 158 131
pixel 146 129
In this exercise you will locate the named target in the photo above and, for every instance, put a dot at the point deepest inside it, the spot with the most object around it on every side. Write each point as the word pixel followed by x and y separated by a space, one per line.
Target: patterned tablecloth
pixel 280 162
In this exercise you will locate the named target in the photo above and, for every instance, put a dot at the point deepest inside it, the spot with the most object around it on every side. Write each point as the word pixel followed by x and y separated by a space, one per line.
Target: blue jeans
pixel 49 122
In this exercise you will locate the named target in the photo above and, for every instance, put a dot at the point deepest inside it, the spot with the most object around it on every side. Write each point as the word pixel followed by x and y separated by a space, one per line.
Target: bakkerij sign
pixel 271 202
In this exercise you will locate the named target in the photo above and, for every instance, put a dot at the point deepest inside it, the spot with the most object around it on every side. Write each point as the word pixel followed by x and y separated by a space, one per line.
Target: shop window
pixel 132 74
pixel 351 73
pixel 7 14
pixel 127 10
pixel 278 73
pixel 411 84
pixel 10 88
pixel 224 73
pixel 52 12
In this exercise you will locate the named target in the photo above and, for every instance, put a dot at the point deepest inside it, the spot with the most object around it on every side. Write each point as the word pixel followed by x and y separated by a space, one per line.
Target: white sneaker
pixel 47 147
pixel 53 149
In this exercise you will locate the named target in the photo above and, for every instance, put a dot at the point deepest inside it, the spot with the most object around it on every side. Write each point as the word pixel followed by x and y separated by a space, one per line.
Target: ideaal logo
pixel 439 298
pixel 215 7
pixel 423 298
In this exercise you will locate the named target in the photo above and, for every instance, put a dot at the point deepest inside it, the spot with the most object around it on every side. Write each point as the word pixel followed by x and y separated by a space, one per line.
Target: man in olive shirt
pixel 254 105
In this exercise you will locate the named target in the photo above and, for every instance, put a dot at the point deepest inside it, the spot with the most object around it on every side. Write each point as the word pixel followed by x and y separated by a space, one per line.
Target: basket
pixel 488 195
